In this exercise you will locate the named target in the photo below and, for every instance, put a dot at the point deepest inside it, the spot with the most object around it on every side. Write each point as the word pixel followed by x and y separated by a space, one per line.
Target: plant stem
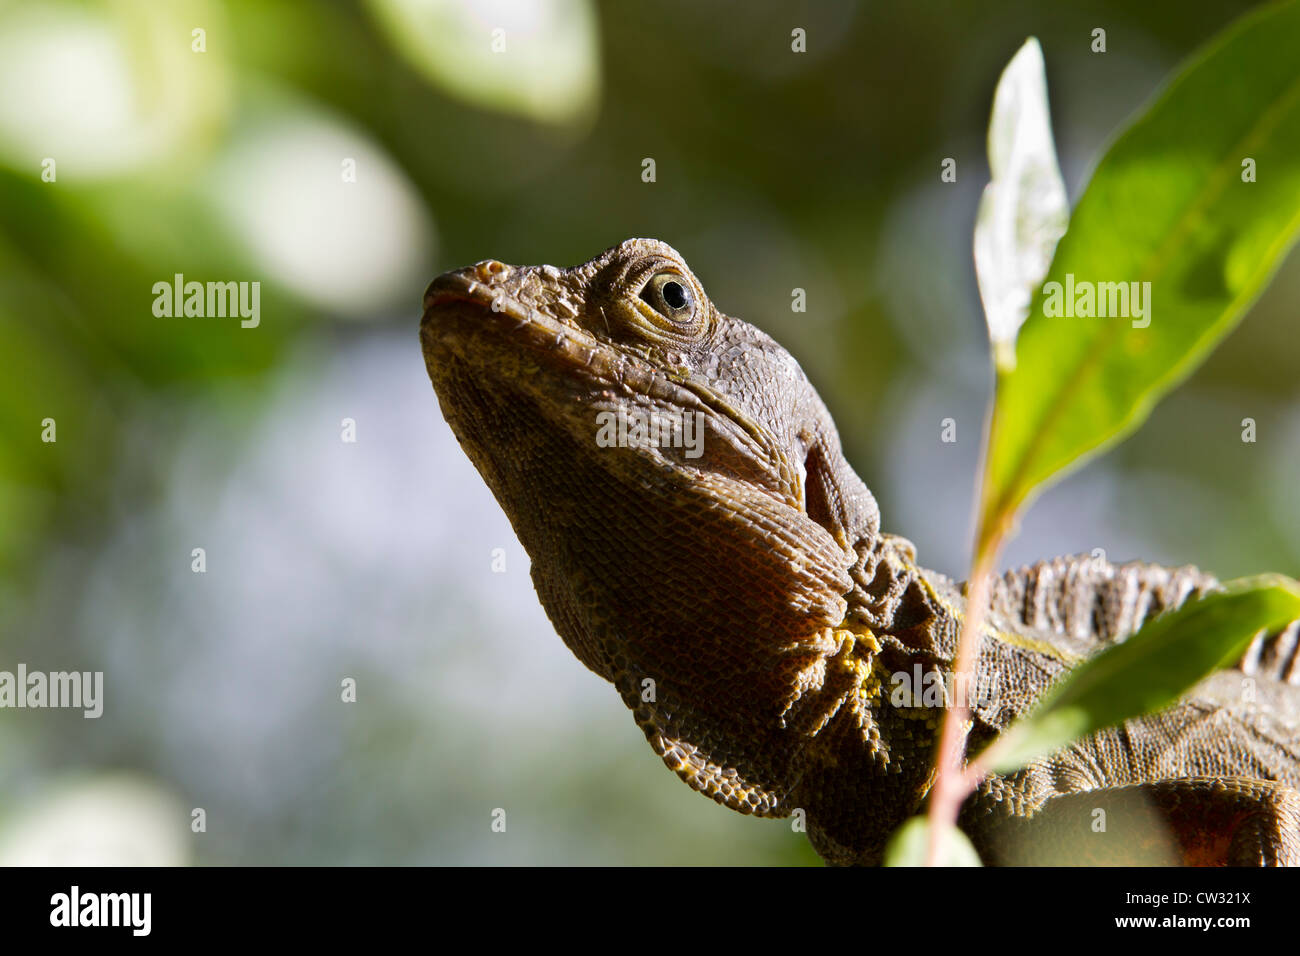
pixel 953 783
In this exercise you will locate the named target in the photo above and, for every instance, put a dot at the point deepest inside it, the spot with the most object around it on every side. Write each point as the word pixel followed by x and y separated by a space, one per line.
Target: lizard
pixel 766 633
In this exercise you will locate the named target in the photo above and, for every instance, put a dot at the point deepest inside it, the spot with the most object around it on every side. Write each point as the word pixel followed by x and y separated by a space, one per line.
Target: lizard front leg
pixel 1197 821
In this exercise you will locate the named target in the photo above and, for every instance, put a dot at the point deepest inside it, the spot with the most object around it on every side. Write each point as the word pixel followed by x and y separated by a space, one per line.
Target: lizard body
pixel 741 597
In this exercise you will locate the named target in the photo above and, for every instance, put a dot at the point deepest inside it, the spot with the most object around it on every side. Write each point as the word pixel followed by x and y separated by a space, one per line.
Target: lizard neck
pixel 865 759
pixel 915 611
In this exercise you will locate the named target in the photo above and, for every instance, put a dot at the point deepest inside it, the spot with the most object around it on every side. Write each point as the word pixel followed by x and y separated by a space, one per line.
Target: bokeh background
pixel 373 560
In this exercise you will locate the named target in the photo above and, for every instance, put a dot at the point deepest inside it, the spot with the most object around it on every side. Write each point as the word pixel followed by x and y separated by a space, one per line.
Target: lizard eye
pixel 670 295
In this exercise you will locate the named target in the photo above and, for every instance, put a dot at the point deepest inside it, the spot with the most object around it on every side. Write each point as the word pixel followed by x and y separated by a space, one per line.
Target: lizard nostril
pixel 489 269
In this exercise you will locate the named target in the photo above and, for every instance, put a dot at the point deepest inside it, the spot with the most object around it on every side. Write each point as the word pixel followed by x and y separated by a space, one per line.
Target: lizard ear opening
pixel 816 491
pixel 836 498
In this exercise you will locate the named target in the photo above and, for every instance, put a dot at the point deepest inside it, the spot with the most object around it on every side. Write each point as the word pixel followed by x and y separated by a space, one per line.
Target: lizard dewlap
pixel 778 649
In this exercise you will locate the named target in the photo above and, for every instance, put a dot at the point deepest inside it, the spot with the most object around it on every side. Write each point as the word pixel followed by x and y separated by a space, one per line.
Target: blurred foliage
pixel 775 171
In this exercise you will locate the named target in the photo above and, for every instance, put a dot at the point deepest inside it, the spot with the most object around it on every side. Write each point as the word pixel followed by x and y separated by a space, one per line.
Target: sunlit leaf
pixel 109 88
pixel 1023 212
pixel 321 208
pixel 1172 221
pixel 539 58
pixel 106 820
pixel 910 844
pixel 1151 669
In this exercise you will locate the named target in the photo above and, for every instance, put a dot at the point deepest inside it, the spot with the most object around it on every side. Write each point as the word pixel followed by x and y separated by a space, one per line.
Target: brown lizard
pixel 699 540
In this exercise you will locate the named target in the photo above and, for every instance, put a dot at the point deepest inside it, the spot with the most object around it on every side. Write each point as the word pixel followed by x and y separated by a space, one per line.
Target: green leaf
pixel 1151 669
pixel 540 59
pixel 911 842
pixel 1167 206
pixel 1023 211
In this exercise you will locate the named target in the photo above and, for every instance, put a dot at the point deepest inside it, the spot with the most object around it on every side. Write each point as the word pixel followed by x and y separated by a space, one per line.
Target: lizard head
pixel 679 487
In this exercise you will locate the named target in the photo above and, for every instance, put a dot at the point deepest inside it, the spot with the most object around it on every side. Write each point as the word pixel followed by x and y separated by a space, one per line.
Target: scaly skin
pixel 746 605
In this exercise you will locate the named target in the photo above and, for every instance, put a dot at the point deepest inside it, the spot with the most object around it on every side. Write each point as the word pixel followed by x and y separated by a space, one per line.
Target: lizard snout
pixel 472 283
